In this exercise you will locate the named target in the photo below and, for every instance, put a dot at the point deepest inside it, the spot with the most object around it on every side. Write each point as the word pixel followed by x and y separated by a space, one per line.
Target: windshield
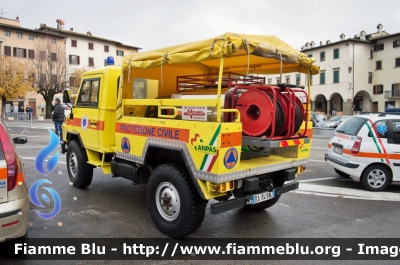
pixel 351 126
pixel 336 118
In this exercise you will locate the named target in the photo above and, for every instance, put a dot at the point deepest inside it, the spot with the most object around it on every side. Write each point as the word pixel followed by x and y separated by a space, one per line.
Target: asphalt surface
pixel 114 208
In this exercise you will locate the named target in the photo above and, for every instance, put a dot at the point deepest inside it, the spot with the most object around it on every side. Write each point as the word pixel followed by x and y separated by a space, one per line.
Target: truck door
pixel 394 148
pixel 88 113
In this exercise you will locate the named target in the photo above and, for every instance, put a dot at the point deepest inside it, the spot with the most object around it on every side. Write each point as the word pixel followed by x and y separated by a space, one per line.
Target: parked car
pixel 316 117
pixel 367 147
pixel 14 199
pixel 332 122
pixel 67 109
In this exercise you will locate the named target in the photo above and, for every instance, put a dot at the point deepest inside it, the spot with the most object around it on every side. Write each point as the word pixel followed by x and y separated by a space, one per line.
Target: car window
pixel 336 118
pixel 380 129
pixel 396 132
pixel 351 126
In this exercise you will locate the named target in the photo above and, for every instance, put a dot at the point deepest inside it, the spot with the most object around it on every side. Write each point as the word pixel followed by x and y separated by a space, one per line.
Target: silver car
pixel 14 199
pixel 332 122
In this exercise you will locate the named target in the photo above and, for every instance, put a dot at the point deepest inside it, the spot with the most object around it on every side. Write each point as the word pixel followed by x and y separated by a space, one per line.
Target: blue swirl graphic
pixel 33 190
pixel 45 152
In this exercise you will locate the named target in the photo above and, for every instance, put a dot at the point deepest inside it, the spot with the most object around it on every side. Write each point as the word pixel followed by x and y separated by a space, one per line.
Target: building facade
pixel 83 51
pixel 21 43
pixel 357 74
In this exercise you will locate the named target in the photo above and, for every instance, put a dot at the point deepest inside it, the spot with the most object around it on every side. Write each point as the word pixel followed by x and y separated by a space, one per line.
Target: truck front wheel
pixel 79 171
pixel 174 204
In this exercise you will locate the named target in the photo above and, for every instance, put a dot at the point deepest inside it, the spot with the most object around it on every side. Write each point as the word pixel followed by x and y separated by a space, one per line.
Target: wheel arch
pixel 168 154
pixel 71 136
pixel 386 166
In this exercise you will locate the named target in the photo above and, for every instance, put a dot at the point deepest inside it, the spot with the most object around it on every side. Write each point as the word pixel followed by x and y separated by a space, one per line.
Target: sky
pixel 153 24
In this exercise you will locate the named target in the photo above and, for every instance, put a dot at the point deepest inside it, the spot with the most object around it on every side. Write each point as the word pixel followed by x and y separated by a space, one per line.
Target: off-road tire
pixel 341 173
pixel 379 183
pixel 262 205
pixel 187 209
pixel 79 171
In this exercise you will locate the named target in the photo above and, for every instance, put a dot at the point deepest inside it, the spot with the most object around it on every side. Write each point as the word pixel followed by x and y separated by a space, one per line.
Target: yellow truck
pixel 194 122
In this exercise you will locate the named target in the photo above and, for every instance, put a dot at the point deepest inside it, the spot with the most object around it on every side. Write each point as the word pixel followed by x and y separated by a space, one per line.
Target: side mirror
pixel 67 96
pixel 20 140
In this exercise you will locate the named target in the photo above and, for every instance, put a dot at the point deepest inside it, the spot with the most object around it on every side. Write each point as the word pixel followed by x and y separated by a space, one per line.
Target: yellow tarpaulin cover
pixel 242 53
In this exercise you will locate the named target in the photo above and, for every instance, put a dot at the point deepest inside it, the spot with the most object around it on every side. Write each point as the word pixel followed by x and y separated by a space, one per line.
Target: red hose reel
pixel 269 111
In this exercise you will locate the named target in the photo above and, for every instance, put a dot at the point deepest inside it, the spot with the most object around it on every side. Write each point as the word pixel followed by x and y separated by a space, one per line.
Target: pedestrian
pixel 20 111
pixel 58 117
pixel 28 110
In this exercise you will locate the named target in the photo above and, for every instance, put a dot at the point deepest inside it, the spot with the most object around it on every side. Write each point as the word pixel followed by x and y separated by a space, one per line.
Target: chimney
pixel 307 45
pixel 328 42
pixel 362 35
pixel 17 18
pixel 60 24
pixel 71 29
pixel 342 36
pixel 312 44
pixel 379 27
pixel 88 33
pixel 320 43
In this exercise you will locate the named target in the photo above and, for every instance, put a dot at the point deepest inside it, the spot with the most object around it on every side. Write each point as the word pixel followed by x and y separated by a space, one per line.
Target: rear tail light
pixel 356 146
pixel 10 157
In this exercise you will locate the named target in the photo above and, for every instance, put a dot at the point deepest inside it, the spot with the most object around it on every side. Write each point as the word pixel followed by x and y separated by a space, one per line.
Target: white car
pixel 67 109
pixel 367 147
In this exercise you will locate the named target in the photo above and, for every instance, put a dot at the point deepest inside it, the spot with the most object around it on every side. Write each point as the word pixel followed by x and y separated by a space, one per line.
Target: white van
pixel 367 147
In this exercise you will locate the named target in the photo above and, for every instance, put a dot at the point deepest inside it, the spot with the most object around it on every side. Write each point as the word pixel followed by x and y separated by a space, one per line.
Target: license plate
pixel 337 150
pixel 257 198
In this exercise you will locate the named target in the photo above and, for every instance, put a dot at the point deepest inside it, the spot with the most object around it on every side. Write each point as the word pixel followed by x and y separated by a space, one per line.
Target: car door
pixel 88 115
pixel 394 148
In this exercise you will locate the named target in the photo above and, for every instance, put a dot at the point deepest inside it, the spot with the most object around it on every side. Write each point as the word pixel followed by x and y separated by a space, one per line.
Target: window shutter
pixel 78 59
pixel 392 87
pixel 24 53
pixel 394 44
pixel 14 51
pixel 374 48
pixel 70 59
pixel 383 46
pixel 374 92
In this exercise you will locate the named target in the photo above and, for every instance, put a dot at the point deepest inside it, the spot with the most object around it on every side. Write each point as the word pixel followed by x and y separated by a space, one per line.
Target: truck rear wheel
pixel 79 171
pixel 174 204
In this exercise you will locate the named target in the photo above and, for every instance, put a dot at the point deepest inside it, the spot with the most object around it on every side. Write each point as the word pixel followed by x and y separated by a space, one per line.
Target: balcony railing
pixel 392 94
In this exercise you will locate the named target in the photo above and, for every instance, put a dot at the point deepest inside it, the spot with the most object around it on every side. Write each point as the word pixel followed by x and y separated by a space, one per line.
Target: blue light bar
pixel 110 60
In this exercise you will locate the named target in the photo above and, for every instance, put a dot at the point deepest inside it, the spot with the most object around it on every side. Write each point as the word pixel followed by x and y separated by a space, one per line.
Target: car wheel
pixel 79 171
pixel 375 178
pixel 175 206
pixel 341 173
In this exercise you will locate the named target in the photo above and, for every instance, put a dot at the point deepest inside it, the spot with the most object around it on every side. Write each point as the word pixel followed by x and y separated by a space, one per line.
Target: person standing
pixel 28 110
pixel 58 117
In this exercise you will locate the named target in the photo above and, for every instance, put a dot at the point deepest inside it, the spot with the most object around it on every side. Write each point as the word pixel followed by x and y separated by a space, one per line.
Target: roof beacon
pixel 110 60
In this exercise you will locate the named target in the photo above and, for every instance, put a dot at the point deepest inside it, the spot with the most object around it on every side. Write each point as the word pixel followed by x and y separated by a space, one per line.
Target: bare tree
pixel 50 69
pixel 15 79
pixel 75 80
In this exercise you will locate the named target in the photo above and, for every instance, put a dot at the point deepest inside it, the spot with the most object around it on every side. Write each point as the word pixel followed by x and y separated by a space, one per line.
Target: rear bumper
pixel 346 164
pixel 228 205
pixel 13 211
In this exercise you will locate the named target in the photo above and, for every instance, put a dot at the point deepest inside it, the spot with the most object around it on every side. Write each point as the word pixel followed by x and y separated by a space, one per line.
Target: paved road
pixel 325 206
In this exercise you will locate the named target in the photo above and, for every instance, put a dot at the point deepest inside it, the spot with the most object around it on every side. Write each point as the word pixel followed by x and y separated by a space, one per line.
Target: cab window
pixel 381 129
pixel 89 94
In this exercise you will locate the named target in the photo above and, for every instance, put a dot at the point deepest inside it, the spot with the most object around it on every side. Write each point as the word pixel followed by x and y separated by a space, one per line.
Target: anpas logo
pixel 208 149
pixel 40 168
